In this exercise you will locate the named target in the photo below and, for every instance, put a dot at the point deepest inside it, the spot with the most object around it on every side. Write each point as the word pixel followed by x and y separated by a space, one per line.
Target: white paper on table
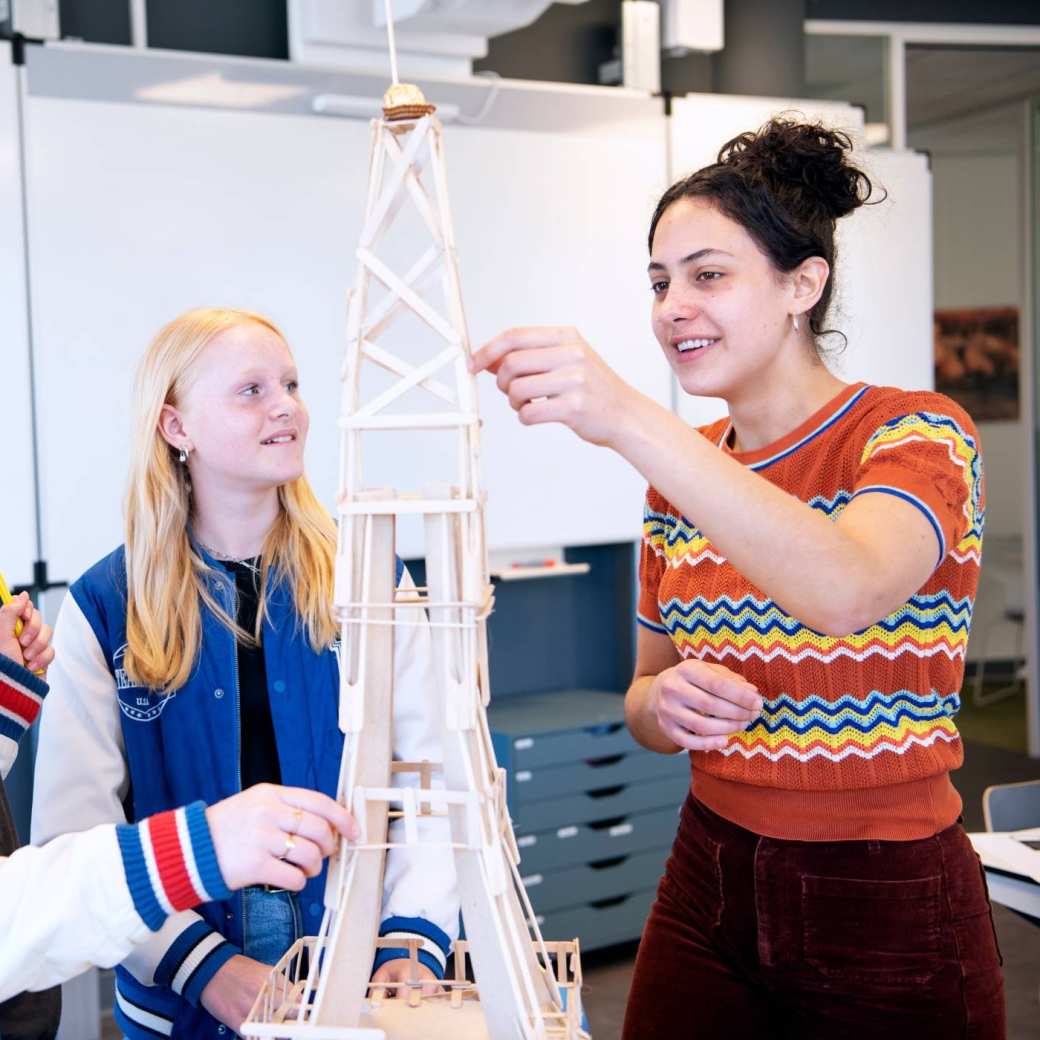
pixel 1005 850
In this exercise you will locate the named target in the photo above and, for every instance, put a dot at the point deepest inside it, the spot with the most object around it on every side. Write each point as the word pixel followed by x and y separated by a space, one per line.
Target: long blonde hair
pixel 166 577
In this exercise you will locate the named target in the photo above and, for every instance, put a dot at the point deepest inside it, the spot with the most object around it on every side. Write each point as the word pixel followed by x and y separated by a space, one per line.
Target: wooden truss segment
pixel 507 983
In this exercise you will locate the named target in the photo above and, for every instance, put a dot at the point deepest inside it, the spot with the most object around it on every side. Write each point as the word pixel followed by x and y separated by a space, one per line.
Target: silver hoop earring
pixel 794 321
pixel 183 456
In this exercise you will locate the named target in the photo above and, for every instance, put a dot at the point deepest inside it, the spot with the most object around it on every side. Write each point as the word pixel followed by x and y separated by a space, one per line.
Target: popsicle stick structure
pixel 508 984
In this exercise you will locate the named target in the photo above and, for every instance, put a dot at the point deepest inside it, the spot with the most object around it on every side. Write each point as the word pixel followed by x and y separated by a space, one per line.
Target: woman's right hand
pixel 274 835
pixel 699 705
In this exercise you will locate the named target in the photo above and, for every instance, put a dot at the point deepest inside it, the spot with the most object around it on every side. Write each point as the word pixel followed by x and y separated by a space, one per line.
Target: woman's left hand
pixel 398 970
pixel 550 374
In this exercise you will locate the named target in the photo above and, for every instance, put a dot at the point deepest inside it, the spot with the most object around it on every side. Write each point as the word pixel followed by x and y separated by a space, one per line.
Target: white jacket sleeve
pixel 81 779
pixel 90 898
pixel 64 908
pixel 419 887
pixel 81 775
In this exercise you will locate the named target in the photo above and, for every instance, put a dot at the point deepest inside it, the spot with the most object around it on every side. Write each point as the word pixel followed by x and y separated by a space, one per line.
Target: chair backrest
pixel 1012 807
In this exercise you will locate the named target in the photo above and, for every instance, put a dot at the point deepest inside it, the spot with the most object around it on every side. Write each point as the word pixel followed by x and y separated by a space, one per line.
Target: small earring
pixel 794 321
pixel 183 456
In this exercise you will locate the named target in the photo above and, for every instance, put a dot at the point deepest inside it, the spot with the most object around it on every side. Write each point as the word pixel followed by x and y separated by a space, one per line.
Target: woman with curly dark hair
pixel 808 570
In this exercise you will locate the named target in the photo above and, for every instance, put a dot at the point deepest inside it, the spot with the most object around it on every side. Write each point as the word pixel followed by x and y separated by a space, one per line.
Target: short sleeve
pixel 930 459
pixel 652 562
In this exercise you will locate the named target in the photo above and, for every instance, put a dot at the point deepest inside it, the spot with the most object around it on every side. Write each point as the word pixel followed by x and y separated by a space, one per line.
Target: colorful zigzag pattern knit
pixel 863 710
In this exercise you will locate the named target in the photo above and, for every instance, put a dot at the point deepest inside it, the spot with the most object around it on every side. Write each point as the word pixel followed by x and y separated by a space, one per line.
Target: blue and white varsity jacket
pixel 107 747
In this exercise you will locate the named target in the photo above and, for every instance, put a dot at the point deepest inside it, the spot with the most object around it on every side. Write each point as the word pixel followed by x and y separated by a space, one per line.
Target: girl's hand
pixel 700 705
pixel 32 647
pixel 398 971
pixel 230 995
pixel 551 374
pixel 274 835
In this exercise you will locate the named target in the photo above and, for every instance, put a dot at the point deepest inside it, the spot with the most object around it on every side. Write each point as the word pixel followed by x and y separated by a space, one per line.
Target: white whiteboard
pixel 174 207
pixel 883 302
pixel 17 517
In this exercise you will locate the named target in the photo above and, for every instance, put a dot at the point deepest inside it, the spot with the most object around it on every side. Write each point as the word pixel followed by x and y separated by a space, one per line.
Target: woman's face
pixel 242 412
pixel 720 310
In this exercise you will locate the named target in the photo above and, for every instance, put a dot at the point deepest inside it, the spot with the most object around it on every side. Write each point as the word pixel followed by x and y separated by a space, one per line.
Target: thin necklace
pixel 217 554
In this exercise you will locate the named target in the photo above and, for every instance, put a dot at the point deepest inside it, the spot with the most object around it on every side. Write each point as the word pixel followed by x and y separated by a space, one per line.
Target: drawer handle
pixel 605 730
pixel 606 792
pixel 606 760
pixel 603 904
pixel 606 864
pixel 604 825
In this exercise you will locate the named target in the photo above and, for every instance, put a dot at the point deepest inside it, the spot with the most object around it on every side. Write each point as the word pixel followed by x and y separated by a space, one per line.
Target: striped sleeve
pixel 436 945
pixel 652 563
pixel 192 959
pixel 931 460
pixel 170 863
pixel 21 697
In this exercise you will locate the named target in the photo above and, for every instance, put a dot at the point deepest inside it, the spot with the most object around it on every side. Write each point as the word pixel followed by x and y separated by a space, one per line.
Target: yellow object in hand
pixel 5 598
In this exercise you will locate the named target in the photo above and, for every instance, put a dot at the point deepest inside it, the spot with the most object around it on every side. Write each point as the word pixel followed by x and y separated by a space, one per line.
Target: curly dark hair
pixel 786 184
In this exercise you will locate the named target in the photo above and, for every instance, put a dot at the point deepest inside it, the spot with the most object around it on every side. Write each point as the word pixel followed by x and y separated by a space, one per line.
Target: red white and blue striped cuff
pixel 21 697
pixel 170 863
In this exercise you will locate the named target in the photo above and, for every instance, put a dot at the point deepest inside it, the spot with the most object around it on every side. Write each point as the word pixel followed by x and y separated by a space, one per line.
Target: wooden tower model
pixel 508 984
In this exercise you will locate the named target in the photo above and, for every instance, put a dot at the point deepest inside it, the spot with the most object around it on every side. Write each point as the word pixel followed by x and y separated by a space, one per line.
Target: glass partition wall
pixel 1031 388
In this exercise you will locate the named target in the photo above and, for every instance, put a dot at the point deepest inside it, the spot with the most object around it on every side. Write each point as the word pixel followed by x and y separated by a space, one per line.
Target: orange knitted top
pixel 856 739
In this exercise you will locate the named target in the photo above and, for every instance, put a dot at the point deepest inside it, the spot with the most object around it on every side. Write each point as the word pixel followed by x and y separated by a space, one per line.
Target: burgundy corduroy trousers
pixel 761 938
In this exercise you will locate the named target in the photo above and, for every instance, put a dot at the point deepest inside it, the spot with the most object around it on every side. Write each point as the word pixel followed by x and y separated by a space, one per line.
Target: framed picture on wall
pixel 976 360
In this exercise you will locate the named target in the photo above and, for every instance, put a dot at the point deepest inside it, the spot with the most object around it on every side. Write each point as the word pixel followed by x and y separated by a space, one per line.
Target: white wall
pixel 17 517
pixel 977 210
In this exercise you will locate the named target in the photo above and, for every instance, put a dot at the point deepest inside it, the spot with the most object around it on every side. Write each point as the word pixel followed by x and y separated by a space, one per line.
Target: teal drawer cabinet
pixel 594 813
pixel 604 922
pixel 600 840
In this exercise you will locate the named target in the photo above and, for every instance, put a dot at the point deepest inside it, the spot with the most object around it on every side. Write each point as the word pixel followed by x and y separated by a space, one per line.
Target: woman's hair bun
pixel 805 165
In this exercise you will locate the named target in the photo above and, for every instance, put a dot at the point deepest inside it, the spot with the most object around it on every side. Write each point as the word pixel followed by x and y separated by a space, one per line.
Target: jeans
pixel 756 937
pixel 271 923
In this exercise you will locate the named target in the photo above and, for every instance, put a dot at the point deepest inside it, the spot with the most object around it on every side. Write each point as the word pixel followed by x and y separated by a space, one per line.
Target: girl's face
pixel 720 310
pixel 242 413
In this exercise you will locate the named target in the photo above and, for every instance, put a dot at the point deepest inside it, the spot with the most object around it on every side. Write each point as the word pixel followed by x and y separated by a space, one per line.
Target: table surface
pixel 1012 869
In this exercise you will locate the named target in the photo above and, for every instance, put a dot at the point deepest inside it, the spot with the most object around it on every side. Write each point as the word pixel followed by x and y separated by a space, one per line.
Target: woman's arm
pixel 835 577
pixel 89 898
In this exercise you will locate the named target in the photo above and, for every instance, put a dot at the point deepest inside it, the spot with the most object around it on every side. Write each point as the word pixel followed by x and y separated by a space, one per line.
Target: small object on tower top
pixel 405 101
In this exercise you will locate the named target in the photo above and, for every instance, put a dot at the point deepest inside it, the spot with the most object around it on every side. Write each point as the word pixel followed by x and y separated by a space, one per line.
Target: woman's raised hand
pixel 550 374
